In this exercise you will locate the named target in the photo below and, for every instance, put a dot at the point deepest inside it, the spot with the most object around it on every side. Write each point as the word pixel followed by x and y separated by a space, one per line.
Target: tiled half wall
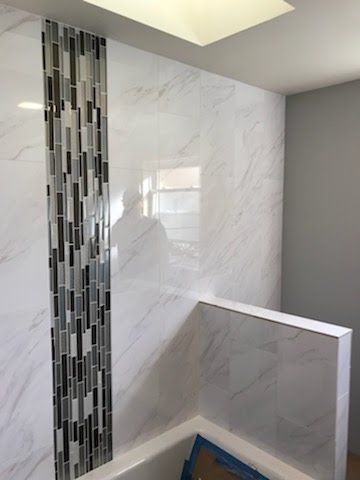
pixel 78 209
pixel 278 381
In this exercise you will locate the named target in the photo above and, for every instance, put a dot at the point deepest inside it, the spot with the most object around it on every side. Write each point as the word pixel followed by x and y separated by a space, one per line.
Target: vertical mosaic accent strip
pixel 75 85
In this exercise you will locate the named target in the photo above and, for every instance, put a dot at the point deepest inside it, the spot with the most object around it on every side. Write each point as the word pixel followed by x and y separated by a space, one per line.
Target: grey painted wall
pixel 321 243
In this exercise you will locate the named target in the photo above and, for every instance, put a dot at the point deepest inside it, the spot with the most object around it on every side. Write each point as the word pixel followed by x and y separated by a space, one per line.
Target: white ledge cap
pixel 277 317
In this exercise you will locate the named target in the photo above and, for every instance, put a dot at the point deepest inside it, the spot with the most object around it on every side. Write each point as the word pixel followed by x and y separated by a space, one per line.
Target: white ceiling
pixel 316 45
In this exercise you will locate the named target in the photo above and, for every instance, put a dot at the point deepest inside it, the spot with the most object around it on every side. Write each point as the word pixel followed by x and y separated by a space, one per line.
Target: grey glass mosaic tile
pixel 75 87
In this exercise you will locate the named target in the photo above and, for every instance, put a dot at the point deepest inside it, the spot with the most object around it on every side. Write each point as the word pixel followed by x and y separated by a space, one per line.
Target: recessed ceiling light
pixel 197 21
pixel 30 105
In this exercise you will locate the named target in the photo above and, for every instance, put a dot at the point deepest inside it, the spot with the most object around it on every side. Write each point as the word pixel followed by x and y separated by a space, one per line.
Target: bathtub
pixel 163 457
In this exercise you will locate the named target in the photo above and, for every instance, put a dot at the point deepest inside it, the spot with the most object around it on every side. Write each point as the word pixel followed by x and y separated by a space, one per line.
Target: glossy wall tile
pixel 26 435
pixel 277 387
pixel 78 209
pixel 21 136
pixel 196 166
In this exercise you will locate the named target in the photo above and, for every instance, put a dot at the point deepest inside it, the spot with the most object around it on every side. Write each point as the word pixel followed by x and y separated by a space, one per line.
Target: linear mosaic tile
pixel 75 87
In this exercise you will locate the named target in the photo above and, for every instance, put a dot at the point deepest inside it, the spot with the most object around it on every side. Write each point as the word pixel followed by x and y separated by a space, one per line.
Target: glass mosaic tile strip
pixel 75 85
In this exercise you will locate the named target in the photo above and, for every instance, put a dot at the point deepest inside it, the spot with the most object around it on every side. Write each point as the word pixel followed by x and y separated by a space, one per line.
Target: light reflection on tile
pixel 26 437
pixel 79 255
pixel 183 142
pixel 21 134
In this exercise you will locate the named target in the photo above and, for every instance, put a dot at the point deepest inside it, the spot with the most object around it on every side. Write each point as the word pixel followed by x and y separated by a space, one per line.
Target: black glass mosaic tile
pixel 79 256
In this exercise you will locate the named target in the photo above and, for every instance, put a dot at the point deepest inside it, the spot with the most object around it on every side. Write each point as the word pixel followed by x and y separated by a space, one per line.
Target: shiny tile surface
pixel 196 165
pixel 277 387
pixel 79 246
pixel 196 170
pixel 25 353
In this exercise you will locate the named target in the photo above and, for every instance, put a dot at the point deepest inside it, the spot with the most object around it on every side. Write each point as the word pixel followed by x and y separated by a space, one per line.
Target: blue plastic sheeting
pixel 229 463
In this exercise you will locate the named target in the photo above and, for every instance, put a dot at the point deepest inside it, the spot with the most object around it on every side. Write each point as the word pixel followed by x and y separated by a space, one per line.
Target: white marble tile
pixel 178 138
pixel 257 231
pixel 26 416
pixel 136 335
pixel 179 362
pixel 38 465
pixel 302 448
pixel 219 233
pixel 23 236
pixel 136 350
pixel 319 463
pixel 274 134
pixel 133 139
pixel 214 404
pixel 218 246
pixel 341 438
pixel 21 131
pixel 179 272
pixel 179 371
pixel 179 212
pixel 303 347
pixel 136 234
pixel 250 140
pixel 280 318
pixel 344 365
pixel 249 368
pixel 217 138
pixel 154 360
pixel 279 391
pixel 307 395
pixel 179 122
pixel 307 359
pixel 155 379
pixel 132 77
pixel 179 88
pixel 258 185
pixel 253 393
pixel 248 333
pixel 215 347
pixel 179 183
pixel 179 216
pixel 26 383
pixel 260 127
pixel 224 239
pixel 135 411
pixel 133 98
pixel 236 150
pixel 136 329
pixel 177 313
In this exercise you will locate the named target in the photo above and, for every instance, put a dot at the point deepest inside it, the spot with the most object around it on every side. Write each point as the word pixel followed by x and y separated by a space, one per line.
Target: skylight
pixel 198 21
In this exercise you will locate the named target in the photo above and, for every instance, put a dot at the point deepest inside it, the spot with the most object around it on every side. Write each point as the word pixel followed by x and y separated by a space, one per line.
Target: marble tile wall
pixel 153 128
pixel 283 389
pixel 196 168
pixel 196 174
pixel 26 438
